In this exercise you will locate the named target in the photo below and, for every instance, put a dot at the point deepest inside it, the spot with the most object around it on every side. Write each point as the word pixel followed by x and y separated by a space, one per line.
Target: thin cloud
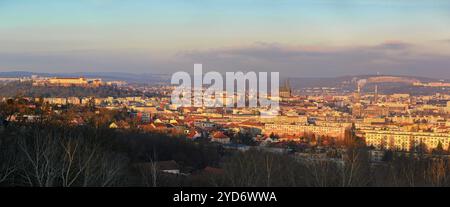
pixel 391 57
pixel 394 45
pixel 278 51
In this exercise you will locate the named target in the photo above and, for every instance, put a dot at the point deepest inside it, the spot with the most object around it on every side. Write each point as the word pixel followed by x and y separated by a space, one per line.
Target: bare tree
pixel 8 161
pixel 40 164
pixel 320 173
pixel 149 171
pixel 269 168
pixel 355 170
pixel 437 172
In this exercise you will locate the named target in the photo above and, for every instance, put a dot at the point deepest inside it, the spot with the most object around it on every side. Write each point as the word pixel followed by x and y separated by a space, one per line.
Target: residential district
pixel 315 123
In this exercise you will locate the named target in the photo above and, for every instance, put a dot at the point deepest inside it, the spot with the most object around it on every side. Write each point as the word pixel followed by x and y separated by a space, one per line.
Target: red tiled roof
pixel 252 123
pixel 219 135
pixel 191 134
pixel 289 137
pixel 232 125
pixel 160 125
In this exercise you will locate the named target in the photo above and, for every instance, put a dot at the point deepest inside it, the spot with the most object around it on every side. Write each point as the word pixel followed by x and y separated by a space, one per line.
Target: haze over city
pixel 307 38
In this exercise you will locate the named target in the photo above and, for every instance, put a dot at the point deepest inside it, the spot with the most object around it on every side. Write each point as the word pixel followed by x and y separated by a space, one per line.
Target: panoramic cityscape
pixel 357 94
pixel 368 122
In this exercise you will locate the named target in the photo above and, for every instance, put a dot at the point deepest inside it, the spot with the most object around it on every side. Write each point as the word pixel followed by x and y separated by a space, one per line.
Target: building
pixel 432 84
pixel 220 138
pixel 403 140
pixel 74 100
pixel 300 130
pixel 285 90
pixel 193 134
pixel 57 101
pixel 68 81
pixel 169 167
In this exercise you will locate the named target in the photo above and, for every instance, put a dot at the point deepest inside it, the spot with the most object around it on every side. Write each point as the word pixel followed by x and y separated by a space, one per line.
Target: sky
pixel 302 38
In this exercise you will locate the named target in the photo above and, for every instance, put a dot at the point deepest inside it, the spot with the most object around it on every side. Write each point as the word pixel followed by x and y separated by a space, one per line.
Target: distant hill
pixel 295 82
pixel 352 80
pixel 385 84
pixel 107 76
pixel 15 74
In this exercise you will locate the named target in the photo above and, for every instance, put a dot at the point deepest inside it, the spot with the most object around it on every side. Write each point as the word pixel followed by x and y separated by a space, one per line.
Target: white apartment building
pixel 403 140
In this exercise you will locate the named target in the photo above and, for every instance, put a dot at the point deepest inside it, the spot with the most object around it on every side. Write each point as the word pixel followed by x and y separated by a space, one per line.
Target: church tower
pixel 285 90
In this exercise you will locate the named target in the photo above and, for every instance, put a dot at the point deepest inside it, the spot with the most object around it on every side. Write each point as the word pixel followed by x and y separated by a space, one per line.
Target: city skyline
pixel 297 38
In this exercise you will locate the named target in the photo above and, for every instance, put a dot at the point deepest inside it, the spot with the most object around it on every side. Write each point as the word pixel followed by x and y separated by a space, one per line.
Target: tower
pixel 285 90
pixel 357 108
pixel 375 98
pixel 357 95
pixel 448 107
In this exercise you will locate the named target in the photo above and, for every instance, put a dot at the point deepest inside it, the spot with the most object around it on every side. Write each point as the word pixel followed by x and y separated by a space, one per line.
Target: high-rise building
pixel 375 97
pixel 448 107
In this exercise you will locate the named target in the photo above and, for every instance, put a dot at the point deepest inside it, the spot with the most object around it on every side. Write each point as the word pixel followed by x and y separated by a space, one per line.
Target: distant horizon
pixel 169 74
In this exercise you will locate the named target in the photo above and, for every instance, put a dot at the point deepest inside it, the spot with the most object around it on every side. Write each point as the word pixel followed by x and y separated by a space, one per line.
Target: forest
pixel 42 155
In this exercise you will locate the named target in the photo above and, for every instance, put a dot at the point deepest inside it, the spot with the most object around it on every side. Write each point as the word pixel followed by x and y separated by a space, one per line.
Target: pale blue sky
pixel 160 36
